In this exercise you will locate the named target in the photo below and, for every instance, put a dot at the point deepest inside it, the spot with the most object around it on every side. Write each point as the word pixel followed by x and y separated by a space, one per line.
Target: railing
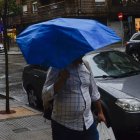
pixel 29 18
pixel 71 9
pixel 51 10
pixel 63 9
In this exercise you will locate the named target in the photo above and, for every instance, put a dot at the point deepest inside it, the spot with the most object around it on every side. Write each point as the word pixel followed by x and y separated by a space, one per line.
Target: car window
pixel 113 63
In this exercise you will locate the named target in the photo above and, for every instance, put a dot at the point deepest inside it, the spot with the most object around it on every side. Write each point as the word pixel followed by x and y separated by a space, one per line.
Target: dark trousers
pixel 60 132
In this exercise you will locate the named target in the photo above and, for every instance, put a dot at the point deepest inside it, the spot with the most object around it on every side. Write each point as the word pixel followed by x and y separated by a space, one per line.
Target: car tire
pixel 32 98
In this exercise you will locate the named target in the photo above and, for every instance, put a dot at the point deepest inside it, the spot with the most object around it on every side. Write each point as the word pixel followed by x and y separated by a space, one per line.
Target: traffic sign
pixel 120 16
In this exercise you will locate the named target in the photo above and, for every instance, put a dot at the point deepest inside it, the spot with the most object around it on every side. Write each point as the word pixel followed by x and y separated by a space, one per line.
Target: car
pixel 132 47
pixel 1 47
pixel 33 79
pixel 117 76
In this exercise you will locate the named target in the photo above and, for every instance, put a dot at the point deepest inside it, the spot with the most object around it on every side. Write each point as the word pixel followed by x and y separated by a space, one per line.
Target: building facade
pixel 34 11
pixel 105 11
pixel 131 17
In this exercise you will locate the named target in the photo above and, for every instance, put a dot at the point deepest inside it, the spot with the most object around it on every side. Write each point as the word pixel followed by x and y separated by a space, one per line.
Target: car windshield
pixel 114 64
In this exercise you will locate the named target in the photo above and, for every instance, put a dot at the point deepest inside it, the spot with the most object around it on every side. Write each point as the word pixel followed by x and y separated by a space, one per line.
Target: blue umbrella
pixel 60 41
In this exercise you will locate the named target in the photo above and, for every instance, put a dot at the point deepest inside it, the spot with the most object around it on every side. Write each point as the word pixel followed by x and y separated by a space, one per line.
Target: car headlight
pixel 132 105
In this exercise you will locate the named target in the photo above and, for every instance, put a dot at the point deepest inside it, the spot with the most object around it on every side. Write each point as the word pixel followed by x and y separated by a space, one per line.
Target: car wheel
pixel 32 98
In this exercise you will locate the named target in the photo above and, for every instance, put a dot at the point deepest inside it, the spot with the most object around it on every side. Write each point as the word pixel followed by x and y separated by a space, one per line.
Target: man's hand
pixel 101 117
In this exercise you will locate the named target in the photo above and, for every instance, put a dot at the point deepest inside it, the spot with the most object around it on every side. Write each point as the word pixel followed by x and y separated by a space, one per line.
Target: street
pixel 16 65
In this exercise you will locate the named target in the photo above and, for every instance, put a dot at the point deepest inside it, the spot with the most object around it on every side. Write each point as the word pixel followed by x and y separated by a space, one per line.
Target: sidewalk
pixel 13 50
pixel 25 124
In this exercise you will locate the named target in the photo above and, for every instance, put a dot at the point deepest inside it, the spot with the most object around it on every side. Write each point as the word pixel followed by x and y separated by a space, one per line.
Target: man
pixel 73 89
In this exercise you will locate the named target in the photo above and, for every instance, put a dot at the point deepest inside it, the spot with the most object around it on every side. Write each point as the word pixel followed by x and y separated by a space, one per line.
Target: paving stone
pixel 26 128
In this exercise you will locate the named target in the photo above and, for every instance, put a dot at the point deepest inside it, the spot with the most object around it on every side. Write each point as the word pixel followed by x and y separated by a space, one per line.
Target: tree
pixel 12 8
pixel 7 7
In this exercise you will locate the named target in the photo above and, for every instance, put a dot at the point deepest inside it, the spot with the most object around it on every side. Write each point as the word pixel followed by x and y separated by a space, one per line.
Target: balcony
pixel 51 11
pixel 71 9
pixel 86 8
pixel 29 18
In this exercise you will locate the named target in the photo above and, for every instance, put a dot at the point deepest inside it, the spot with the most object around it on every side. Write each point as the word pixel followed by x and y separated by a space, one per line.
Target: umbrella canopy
pixel 60 41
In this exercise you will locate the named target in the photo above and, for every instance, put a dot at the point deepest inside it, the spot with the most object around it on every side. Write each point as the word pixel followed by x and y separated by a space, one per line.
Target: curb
pixel 12 53
pixel 4 96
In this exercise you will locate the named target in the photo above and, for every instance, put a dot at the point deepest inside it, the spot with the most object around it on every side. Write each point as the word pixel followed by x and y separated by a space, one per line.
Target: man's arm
pixel 95 97
pixel 48 88
pixel 62 77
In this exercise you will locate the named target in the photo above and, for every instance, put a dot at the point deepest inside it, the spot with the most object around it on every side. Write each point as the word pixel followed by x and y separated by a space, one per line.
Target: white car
pixel 1 47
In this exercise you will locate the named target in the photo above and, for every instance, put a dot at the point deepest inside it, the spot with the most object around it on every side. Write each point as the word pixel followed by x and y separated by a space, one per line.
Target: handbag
pixel 105 133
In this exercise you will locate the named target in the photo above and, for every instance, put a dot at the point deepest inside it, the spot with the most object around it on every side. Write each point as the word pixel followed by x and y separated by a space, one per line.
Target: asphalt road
pixel 15 65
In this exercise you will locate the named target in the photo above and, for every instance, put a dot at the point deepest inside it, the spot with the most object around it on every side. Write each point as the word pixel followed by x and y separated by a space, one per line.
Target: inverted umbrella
pixel 60 41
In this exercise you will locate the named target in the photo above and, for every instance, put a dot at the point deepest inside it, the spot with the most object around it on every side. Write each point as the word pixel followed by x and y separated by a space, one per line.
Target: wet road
pixel 16 65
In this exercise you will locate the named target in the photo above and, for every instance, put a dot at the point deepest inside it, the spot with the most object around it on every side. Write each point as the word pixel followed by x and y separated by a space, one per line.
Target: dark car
pixel 133 46
pixel 117 76
pixel 33 78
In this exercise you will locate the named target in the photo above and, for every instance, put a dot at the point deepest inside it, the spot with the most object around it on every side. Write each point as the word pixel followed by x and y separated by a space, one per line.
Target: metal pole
pixel 6 55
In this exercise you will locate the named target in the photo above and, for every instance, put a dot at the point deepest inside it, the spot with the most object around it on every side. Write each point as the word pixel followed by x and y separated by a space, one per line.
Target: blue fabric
pixel 59 41
pixel 59 132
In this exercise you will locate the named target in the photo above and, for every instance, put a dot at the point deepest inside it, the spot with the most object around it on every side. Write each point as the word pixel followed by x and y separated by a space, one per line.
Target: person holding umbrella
pixel 58 43
pixel 73 90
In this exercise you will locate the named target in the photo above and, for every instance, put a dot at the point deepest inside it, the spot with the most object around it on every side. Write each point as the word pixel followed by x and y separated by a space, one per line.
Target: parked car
pixel 117 76
pixel 33 78
pixel 133 46
pixel 1 48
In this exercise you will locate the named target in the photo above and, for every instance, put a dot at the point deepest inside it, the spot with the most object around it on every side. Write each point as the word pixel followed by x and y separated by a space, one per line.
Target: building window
pixel 25 9
pixel 34 7
pixel 100 2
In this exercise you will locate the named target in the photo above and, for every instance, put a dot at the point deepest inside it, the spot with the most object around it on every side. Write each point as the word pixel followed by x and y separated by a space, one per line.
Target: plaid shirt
pixel 72 106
